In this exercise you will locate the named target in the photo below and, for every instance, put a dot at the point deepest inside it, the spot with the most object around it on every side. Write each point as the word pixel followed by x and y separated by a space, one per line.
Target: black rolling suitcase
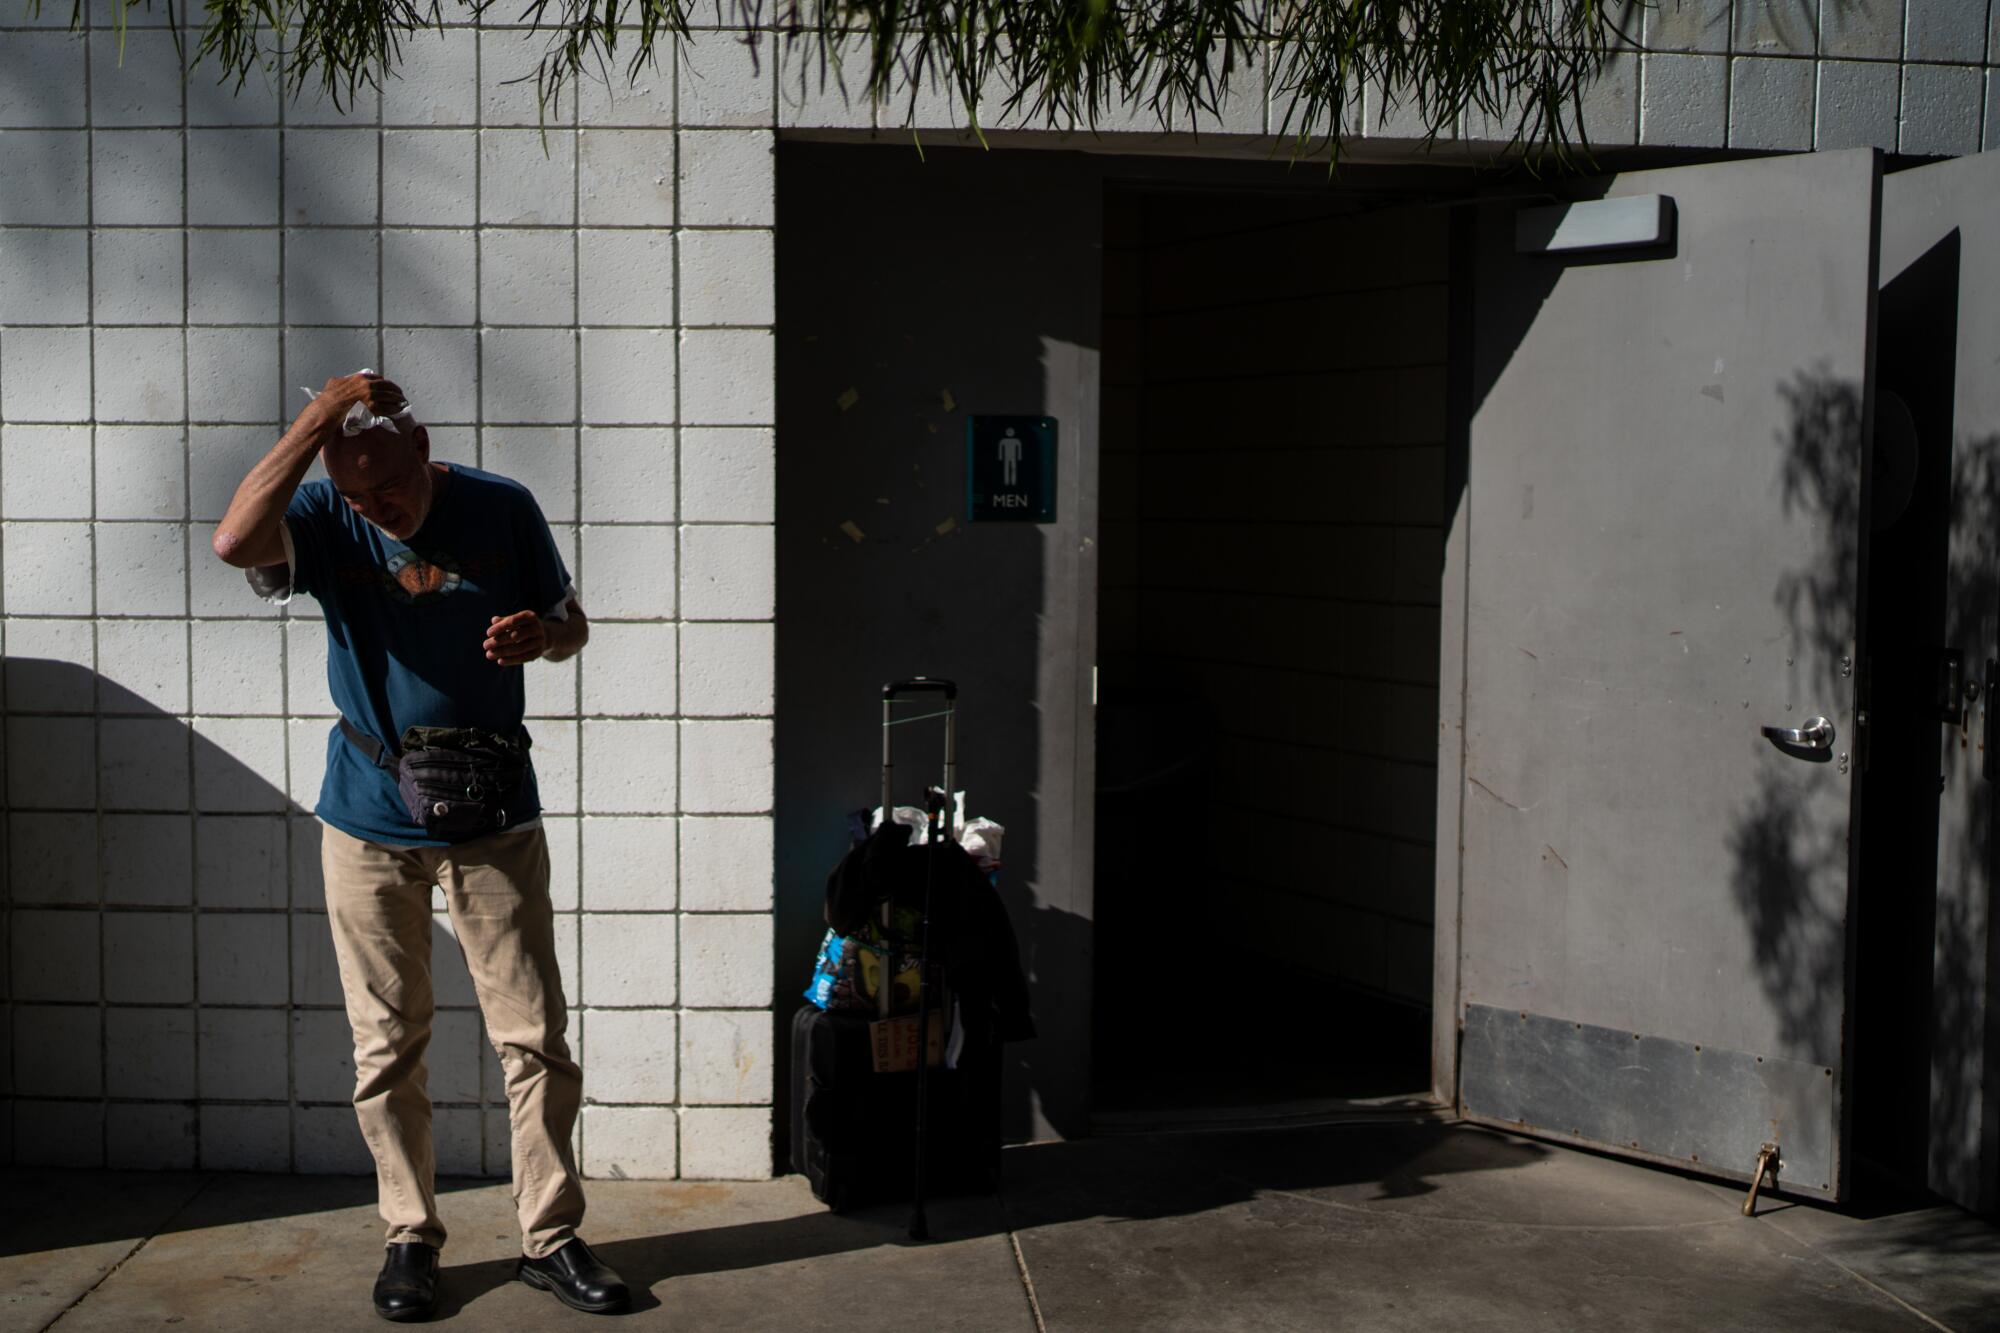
pixel 854 1130
pixel 856 1134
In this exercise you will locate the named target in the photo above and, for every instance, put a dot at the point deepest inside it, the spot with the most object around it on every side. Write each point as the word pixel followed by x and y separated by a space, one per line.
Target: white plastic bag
pixel 979 837
pixel 907 815
pixel 981 840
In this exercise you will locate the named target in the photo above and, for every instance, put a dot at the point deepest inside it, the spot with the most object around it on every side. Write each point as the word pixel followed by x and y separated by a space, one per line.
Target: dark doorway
pixel 1273 506
pixel 1912 478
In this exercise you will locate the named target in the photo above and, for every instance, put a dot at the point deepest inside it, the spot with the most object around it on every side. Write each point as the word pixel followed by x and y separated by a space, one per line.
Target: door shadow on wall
pixel 173 1000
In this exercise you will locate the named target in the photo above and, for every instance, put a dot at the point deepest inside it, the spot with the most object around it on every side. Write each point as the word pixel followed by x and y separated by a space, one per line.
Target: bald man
pixel 439 583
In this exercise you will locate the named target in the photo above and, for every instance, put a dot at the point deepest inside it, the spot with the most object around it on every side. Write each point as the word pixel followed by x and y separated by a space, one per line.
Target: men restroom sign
pixel 1010 469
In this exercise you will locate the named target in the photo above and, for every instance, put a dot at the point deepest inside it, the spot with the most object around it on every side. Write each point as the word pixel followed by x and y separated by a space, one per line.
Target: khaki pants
pixel 378 899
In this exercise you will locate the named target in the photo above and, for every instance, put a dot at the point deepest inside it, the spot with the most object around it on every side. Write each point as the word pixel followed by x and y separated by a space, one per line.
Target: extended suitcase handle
pixel 919 685
pixel 938 811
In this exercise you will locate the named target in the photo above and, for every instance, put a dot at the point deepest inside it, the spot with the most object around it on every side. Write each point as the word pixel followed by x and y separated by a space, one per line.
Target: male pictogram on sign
pixel 1010 458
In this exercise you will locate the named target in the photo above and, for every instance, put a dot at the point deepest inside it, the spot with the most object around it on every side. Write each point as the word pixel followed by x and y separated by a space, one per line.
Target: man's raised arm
pixel 248 536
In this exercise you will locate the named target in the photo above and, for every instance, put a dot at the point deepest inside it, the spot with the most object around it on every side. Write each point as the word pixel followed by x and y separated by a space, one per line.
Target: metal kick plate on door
pixel 1698 1106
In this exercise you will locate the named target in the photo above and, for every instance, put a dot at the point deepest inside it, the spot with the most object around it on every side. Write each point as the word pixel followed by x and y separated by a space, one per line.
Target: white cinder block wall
pixel 589 310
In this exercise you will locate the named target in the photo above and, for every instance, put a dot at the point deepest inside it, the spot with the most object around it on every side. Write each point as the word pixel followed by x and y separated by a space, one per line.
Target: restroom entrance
pixel 1272 486
pixel 1448 671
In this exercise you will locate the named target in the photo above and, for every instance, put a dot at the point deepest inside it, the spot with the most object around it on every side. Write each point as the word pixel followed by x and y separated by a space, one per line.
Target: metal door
pixel 1941 244
pixel 1664 548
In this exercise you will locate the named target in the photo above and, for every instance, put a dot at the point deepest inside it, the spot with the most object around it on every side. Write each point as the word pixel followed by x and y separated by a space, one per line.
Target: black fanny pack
pixel 454 781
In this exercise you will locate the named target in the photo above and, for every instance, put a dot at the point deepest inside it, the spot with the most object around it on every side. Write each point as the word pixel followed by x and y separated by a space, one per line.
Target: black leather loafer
pixel 408 1287
pixel 574 1276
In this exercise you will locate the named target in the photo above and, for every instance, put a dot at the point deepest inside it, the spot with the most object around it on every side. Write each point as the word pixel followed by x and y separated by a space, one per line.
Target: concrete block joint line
pixel 597 313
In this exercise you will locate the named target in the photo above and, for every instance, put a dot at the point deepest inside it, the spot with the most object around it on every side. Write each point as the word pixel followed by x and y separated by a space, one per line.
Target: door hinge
pixel 1986 765
pixel 1951 686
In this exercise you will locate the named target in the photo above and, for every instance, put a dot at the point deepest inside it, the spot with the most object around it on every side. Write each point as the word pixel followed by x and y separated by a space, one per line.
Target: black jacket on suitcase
pixel 971 935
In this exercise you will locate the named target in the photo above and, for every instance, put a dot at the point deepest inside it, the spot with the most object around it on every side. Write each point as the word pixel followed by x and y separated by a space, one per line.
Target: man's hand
pixel 516 640
pixel 383 397
pixel 248 536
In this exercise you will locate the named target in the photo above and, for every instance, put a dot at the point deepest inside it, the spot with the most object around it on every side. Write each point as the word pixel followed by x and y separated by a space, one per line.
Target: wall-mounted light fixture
pixel 1595 224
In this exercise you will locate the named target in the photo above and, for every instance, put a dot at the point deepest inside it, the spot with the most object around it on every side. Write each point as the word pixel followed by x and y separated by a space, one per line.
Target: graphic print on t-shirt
pixel 416 580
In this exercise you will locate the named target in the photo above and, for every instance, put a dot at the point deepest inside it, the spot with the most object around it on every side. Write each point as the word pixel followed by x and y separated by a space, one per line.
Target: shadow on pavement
pixel 1124 1180
pixel 1396 1225
pixel 50 1209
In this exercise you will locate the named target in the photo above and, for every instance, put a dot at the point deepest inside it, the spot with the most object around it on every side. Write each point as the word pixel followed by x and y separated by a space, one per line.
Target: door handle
pixel 1816 734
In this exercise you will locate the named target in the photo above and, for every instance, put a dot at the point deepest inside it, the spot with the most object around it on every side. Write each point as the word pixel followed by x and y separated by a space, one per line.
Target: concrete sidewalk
pixel 1416 1226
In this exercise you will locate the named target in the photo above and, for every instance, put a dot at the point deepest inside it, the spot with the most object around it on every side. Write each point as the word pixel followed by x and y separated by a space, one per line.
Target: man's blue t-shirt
pixel 405 625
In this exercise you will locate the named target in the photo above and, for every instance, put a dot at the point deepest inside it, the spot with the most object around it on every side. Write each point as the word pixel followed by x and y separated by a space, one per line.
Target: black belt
pixel 382 756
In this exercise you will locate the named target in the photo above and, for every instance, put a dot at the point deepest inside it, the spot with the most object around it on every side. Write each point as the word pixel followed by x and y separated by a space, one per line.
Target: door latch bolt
pixel 1767 1163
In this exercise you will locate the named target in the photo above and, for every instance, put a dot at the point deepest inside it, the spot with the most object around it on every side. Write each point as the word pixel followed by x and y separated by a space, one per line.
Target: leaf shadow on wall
pixel 1902 955
pixel 1784 863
